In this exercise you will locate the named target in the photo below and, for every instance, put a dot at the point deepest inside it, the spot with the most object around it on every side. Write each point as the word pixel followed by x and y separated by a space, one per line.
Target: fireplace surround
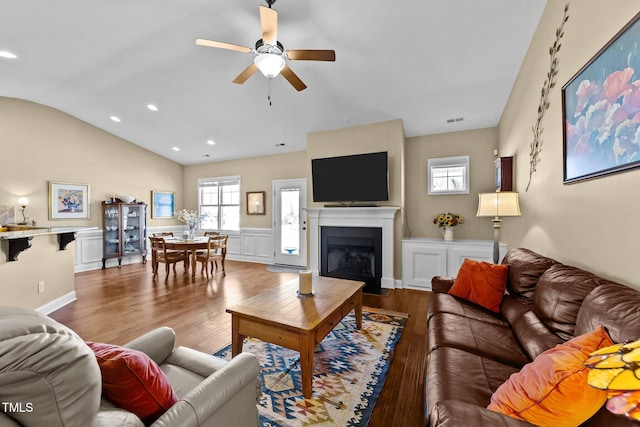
pixel 366 217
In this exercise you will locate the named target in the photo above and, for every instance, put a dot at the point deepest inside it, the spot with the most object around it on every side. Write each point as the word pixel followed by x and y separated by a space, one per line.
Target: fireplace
pixel 355 217
pixel 353 253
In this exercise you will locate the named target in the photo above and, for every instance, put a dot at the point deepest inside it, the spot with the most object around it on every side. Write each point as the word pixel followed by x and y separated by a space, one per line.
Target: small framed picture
pixel 255 202
pixel 163 204
pixel 7 214
pixel 68 200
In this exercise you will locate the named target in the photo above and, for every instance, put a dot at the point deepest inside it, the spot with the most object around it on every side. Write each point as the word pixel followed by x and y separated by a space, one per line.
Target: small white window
pixel 448 175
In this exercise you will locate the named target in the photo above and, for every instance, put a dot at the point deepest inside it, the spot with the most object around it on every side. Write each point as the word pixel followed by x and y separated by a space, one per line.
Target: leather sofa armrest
pixel 441 284
pixel 233 386
pixel 456 413
pixel 157 344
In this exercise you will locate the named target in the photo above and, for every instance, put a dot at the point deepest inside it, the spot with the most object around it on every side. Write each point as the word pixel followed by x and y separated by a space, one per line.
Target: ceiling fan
pixel 270 56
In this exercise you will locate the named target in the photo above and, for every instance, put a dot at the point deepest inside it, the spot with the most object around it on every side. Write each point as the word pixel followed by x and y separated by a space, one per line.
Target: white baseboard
pixel 57 303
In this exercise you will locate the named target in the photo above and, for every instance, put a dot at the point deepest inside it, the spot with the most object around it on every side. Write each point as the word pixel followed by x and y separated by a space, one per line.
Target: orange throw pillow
pixel 552 390
pixel 132 381
pixel 481 283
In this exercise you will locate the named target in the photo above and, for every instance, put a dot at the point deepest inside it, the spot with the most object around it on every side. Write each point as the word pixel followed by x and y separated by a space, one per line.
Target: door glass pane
pixel 112 230
pixel 132 232
pixel 290 220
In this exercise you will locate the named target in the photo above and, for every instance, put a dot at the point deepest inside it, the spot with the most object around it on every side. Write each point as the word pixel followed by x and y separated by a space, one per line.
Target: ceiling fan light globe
pixel 269 64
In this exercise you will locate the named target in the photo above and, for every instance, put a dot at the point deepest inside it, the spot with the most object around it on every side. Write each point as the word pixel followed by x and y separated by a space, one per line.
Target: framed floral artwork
pixel 68 200
pixel 163 204
pixel 601 110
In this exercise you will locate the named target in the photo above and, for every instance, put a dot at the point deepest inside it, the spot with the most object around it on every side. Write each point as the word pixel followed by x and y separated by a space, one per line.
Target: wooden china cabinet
pixel 124 232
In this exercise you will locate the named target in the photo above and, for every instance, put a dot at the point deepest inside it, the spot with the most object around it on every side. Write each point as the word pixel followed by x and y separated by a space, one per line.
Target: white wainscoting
pixel 249 244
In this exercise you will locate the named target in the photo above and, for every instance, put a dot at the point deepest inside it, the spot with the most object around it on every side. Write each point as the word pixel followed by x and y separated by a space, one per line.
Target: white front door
pixel 290 221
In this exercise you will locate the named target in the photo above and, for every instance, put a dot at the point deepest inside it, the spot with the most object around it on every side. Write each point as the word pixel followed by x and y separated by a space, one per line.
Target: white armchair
pixel 51 377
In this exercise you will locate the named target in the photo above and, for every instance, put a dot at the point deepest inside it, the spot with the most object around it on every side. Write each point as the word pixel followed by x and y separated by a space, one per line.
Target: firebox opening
pixel 353 253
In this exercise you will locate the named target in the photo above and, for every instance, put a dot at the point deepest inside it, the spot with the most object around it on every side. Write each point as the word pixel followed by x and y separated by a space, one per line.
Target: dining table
pixel 189 245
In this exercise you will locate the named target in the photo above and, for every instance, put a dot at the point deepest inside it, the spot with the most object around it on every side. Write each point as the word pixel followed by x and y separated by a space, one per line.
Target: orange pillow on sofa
pixel 132 381
pixel 552 390
pixel 481 283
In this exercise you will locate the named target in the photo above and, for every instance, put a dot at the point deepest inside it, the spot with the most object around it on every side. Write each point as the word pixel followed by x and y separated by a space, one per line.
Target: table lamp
pixel 502 203
pixel 617 370
pixel 24 202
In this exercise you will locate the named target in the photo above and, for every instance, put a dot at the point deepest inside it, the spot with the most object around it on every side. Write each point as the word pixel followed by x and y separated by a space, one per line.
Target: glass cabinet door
pixel 132 233
pixel 112 231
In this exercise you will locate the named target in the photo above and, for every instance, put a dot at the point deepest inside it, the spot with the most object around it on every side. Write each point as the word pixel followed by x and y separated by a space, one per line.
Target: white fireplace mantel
pixel 381 217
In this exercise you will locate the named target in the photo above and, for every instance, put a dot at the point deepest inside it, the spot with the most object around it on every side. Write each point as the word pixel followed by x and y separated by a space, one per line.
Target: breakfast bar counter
pixel 19 237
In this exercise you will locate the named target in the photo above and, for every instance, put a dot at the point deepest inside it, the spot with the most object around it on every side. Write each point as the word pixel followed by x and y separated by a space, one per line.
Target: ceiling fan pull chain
pixel 269 91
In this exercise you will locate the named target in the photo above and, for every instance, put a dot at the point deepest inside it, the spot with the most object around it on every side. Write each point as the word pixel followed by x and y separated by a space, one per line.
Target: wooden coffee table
pixel 280 317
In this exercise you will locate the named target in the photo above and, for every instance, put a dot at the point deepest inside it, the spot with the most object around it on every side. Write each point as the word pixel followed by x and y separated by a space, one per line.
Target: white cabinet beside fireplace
pixel 423 258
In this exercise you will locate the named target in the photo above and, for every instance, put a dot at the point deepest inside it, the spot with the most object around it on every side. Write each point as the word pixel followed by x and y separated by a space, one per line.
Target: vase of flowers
pixel 71 199
pixel 192 219
pixel 446 222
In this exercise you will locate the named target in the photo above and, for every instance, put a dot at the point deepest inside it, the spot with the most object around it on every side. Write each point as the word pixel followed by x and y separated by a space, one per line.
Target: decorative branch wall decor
pixel 549 83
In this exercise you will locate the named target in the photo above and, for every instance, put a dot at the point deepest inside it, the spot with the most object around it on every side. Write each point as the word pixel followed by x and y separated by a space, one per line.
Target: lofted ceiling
pixel 422 61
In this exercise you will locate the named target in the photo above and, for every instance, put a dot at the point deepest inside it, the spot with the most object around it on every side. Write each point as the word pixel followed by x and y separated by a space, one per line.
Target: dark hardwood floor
pixel 117 305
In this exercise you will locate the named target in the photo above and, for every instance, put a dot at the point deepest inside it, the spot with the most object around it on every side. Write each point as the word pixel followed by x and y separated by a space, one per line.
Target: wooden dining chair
pixel 170 234
pixel 163 234
pixel 160 253
pixel 207 234
pixel 216 251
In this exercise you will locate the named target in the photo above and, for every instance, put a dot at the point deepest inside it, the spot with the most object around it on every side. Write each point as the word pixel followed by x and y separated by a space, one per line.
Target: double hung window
pixel 220 199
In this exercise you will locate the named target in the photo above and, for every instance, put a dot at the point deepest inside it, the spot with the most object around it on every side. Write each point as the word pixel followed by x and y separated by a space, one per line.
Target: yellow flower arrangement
pixel 448 219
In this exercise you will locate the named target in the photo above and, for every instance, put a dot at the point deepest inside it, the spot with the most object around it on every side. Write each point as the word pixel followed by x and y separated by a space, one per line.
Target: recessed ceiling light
pixel 152 107
pixel 115 119
pixel 175 148
pixel 211 142
pixel 7 54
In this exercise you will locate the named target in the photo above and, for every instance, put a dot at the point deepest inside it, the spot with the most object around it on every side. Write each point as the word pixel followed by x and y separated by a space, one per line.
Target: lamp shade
pixel 269 64
pixel 617 369
pixel 503 203
pixel 23 201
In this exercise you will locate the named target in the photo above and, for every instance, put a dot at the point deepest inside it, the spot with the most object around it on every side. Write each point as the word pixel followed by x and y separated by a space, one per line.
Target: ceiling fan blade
pixel 248 72
pixel 269 23
pixel 292 78
pixel 311 55
pixel 222 45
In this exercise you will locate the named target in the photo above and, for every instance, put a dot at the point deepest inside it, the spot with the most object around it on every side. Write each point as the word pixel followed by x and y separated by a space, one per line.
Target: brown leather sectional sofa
pixel 472 351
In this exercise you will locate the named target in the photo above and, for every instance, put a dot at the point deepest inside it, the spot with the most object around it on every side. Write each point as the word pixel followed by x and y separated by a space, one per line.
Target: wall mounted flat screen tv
pixel 356 178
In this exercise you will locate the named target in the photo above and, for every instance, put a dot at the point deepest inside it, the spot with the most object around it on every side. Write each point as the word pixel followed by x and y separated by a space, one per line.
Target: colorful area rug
pixel 350 369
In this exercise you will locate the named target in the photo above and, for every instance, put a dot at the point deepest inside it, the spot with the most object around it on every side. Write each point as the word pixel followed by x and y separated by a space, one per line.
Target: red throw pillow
pixel 552 390
pixel 481 283
pixel 132 381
